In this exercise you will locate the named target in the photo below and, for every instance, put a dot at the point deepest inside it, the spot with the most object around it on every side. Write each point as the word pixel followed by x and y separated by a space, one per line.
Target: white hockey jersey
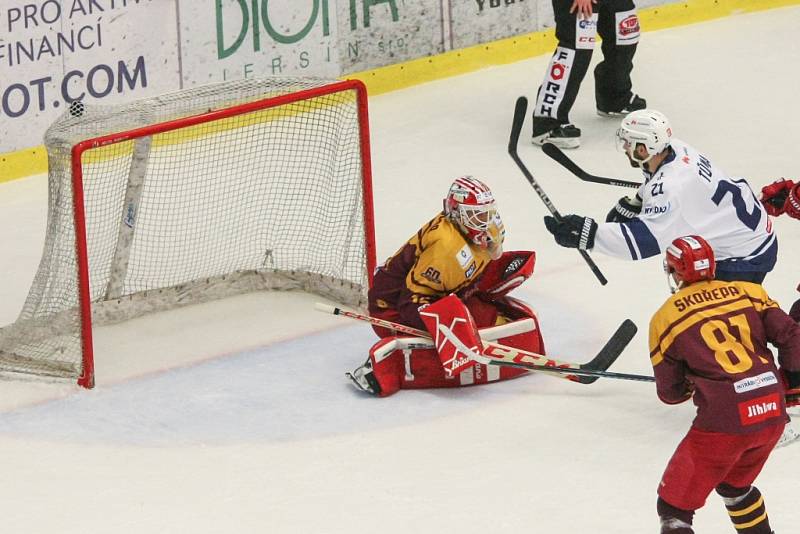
pixel 690 195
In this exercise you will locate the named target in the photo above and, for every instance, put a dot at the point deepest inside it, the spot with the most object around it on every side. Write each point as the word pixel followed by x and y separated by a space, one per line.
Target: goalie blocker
pixel 393 365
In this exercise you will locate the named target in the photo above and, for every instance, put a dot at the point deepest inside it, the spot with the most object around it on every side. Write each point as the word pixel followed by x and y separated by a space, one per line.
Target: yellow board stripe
pixel 690 321
pixel 23 163
pixel 30 161
pixel 509 50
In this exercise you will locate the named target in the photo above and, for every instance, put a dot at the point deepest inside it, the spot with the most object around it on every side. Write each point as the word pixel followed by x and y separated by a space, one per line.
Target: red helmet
pixel 689 259
pixel 471 206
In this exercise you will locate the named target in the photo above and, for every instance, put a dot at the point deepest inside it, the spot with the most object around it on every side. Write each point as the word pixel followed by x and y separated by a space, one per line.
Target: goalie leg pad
pixel 512 309
pixel 395 364
pixel 418 368
pixel 447 319
pixel 505 310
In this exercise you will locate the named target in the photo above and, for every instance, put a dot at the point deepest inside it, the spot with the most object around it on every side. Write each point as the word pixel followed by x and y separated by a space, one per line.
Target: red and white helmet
pixel 689 259
pixel 471 206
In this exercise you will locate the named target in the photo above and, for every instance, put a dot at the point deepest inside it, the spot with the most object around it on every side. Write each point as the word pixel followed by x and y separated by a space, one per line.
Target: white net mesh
pixel 269 199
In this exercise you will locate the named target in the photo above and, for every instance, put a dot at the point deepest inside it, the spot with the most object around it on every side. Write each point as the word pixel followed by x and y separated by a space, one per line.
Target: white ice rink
pixel 236 417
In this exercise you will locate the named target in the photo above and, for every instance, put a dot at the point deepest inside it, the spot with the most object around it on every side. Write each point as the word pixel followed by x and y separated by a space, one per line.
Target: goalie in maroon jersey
pixel 459 252
pixel 708 342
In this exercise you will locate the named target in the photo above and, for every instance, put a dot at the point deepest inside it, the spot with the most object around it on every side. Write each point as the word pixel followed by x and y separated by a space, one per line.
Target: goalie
pixel 459 253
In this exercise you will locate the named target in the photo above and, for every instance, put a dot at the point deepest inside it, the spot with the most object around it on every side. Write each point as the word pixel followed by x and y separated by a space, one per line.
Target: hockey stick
pixel 558 155
pixel 605 355
pixel 516 128
pixel 497 354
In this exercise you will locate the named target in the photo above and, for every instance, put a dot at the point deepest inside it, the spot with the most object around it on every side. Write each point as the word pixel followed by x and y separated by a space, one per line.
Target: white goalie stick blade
pixel 492 333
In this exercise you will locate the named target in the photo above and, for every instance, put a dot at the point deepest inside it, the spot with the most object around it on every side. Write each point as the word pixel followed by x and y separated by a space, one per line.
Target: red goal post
pixel 192 196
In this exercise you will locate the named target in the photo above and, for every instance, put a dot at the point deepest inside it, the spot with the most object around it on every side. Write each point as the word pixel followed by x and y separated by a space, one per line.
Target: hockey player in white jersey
pixel 683 193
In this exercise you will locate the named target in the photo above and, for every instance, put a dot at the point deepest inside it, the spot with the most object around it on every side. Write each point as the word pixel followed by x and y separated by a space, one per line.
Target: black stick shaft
pixel 516 128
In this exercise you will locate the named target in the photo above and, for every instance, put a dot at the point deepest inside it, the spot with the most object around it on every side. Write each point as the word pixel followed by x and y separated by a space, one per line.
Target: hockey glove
pixel 572 231
pixel 793 202
pixel 505 274
pixel 626 209
pixel 795 311
pixel 792 380
pixel 775 195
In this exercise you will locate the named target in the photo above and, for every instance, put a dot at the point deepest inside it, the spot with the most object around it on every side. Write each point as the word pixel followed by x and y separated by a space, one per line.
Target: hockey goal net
pixel 191 196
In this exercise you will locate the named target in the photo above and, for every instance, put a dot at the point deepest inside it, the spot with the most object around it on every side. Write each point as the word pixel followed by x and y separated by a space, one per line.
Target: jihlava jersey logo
pixel 759 409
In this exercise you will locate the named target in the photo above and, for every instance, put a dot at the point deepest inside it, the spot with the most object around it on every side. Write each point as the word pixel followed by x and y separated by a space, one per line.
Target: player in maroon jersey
pixel 783 196
pixel 709 342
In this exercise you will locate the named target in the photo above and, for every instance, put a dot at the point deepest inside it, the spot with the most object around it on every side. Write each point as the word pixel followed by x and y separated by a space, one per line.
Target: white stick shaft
pixel 525 326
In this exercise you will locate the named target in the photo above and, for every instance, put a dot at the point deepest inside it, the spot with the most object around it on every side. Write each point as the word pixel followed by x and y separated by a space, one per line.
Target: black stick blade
pixel 612 349
pixel 520 110
pixel 562 159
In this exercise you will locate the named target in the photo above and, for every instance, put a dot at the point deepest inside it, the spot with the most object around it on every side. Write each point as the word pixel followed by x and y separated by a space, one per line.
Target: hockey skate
pixel 563 136
pixel 364 378
pixel 636 103
pixel 790 434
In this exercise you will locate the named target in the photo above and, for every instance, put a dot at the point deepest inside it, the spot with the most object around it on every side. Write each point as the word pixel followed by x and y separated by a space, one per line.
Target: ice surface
pixel 236 416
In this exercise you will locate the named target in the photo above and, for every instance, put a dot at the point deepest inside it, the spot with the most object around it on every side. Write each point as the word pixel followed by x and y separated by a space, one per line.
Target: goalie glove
pixel 572 231
pixel 627 208
pixel 505 274
pixel 782 196
pixel 447 319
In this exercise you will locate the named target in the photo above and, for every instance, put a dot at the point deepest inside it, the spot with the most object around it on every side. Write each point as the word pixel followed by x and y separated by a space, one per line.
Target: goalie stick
pixel 497 354
pixel 520 110
pixel 558 155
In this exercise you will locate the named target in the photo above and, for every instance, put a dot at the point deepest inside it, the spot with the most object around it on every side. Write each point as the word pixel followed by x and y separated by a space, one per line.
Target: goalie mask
pixel 470 205
pixel 646 127
pixel 688 260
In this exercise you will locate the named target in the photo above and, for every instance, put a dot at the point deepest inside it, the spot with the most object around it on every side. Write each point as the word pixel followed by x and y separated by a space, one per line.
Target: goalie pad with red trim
pixel 449 322
pixel 505 274
pixel 398 363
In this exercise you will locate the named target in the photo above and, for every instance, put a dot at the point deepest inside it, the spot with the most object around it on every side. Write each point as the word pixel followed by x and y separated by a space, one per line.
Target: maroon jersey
pixel 711 338
pixel 436 261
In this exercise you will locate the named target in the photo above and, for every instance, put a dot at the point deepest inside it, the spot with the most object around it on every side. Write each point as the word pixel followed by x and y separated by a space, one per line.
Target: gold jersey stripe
pixel 657 353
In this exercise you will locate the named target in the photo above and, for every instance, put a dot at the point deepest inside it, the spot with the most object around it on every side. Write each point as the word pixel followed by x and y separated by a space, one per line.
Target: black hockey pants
pixel 618 25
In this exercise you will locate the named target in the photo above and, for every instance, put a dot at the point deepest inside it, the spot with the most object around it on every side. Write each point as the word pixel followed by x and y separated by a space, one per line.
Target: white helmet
pixel 646 126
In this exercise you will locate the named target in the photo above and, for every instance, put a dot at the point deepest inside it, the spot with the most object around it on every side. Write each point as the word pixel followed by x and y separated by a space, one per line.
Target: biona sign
pixel 255 16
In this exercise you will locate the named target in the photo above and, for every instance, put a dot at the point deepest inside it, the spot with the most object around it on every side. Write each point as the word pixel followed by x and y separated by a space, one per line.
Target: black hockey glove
pixel 626 209
pixel 572 231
